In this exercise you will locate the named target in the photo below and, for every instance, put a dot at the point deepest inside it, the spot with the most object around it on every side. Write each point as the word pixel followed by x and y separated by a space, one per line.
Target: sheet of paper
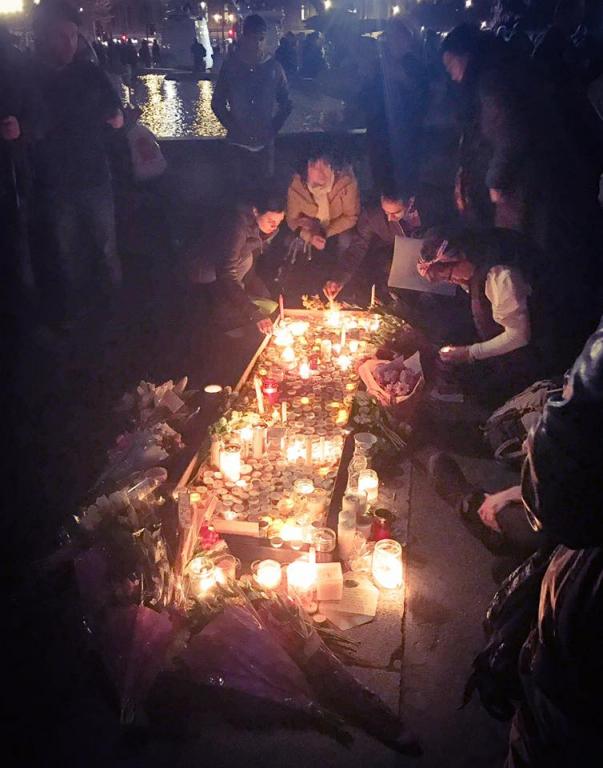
pixel 171 401
pixel 358 604
pixel 403 273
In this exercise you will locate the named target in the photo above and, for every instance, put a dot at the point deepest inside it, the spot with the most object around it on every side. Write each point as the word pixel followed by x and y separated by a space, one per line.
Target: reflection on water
pixel 183 108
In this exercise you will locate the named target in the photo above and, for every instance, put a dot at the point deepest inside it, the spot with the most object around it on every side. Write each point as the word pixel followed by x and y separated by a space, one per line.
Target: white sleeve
pixel 508 292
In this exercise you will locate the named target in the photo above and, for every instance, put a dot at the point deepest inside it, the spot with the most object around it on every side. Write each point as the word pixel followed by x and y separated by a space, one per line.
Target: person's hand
pixel 331 289
pixel 489 510
pixel 455 354
pixel 117 120
pixel 309 224
pixel 265 326
pixel 10 128
pixel 318 241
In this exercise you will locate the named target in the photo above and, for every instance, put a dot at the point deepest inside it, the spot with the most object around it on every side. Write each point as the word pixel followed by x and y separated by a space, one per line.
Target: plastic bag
pixel 148 161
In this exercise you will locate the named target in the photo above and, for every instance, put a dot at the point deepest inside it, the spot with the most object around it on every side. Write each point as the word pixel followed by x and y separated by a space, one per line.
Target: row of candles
pixel 301 575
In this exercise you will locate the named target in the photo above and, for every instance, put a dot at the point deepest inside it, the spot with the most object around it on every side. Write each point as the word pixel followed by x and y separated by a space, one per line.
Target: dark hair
pixel 391 190
pixel 320 149
pixel 50 12
pixel 268 197
pixel 254 25
pixel 462 40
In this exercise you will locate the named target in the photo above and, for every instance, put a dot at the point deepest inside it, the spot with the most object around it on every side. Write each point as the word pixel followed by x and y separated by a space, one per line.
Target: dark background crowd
pixel 99 289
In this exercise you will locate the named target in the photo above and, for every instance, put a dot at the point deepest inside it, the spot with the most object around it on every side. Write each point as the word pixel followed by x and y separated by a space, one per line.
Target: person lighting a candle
pixel 228 260
pixel 393 214
pixel 492 267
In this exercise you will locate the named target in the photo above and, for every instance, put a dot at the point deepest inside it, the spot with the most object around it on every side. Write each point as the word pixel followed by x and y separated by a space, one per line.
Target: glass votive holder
pixel 201 575
pixel 387 564
pixel 301 582
pixel 324 541
pixel 368 481
pixel 267 573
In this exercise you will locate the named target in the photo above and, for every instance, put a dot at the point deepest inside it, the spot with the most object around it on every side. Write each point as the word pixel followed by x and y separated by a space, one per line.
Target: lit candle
pixel 259 441
pixel 342 339
pixel 387 564
pixel 281 306
pixel 246 436
pixel 284 412
pixel 288 355
pixel 301 581
pixel 271 391
pixel 373 295
pixel 283 337
pixel 268 574
pixel 299 327
pixel 202 576
pixel 333 318
pixel 353 345
pixel 374 323
pixel 303 487
pixel 344 362
pixel 368 481
pixel 304 370
pixel 230 462
pixel 259 395
pixel 325 350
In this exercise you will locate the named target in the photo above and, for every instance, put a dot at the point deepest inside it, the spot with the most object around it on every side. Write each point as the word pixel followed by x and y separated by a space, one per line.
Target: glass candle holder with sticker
pixel 230 462
pixel 387 564
pixel 324 541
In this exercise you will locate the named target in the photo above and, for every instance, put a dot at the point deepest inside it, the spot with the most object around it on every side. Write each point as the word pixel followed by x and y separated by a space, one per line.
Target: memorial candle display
pixel 387 564
pixel 301 581
pixel 270 391
pixel 268 574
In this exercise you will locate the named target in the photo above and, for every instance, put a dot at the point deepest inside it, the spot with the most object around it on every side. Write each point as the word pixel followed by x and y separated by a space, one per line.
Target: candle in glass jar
pixel 283 337
pixel 230 462
pixel 288 355
pixel 259 440
pixel 202 576
pixel 303 487
pixel 270 391
pixel 299 327
pixel 353 345
pixel 226 569
pixel 368 481
pixel 344 362
pixel 268 574
pixel 304 370
pixel 387 564
pixel 301 580
pixel 334 318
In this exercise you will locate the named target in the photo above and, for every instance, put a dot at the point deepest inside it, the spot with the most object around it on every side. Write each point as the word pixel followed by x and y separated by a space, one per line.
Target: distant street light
pixel 8 7
pixel 468 3
pixel 217 17
pixel 328 5
pixel 396 10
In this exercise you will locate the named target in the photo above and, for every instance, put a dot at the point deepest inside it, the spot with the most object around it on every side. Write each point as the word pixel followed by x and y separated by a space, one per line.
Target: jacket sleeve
pixel 295 205
pixel 349 262
pixel 351 210
pixel 282 99
pixel 219 102
pixel 229 286
pixel 503 124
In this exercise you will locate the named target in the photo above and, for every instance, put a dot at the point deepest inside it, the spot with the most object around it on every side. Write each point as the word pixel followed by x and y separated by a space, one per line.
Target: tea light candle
pixel 368 481
pixel 301 580
pixel 268 574
pixel 303 487
pixel 288 355
pixel 387 564
pixel 283 337
pixel 353 345
pixel 344 362
pixel 299 327
pixel 304 370
pixel 230 462
pixel 257 383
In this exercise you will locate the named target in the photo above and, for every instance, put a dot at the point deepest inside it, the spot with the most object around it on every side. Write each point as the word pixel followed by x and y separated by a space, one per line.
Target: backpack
pixel 508 426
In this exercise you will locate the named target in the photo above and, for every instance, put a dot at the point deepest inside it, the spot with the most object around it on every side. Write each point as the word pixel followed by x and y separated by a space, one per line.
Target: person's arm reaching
pixel 282 99
pixel 508 292
pixel 229 280
pixel 349 262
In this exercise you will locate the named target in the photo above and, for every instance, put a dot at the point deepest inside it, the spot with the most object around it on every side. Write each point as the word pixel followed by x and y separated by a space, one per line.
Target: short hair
pixel 50 12
pixel 269 197
pixel 391 190
pixel 320 149
pixel 463 40
pixel 254 25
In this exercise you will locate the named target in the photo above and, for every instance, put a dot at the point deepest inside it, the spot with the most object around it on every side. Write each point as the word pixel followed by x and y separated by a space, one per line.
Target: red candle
pixel 382 525
pixel 271 391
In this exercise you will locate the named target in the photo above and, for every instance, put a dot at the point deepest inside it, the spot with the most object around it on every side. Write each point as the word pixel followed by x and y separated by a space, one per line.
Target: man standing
pixel 73 181
pixel 249 87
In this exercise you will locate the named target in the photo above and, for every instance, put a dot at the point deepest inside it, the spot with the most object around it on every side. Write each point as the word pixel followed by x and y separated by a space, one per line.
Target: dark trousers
pixel 79 261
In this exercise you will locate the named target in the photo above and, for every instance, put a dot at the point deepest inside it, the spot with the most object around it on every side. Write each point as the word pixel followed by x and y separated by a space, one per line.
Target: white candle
pixel 333 318
pixel 246 436
pixel 304 370
pixel 342 339
pixel 373 295
pixel 299 327
pixel 344 362
pixel 288 355
pixel 301 579
pixel 368 481
pixel 353 344
pixel 325 350
pixel 259 394
pixel 230 463
pixel 258 442
pixel 284 412
pixel 268 574
pixel 281 306
pixel 387 564
pixel 283 337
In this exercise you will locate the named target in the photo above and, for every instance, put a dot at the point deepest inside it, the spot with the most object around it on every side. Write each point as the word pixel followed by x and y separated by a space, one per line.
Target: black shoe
pixel 449 480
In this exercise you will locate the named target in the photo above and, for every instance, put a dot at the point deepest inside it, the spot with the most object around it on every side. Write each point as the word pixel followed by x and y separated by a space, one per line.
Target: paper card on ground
pixel 403 273
pixel 329 581
pixel 358 604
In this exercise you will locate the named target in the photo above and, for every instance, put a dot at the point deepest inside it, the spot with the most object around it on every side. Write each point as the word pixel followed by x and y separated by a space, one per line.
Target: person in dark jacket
pixel 558 720
pixel 395 215
pixel 395 102
pixel 229 258
pixel 251 100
